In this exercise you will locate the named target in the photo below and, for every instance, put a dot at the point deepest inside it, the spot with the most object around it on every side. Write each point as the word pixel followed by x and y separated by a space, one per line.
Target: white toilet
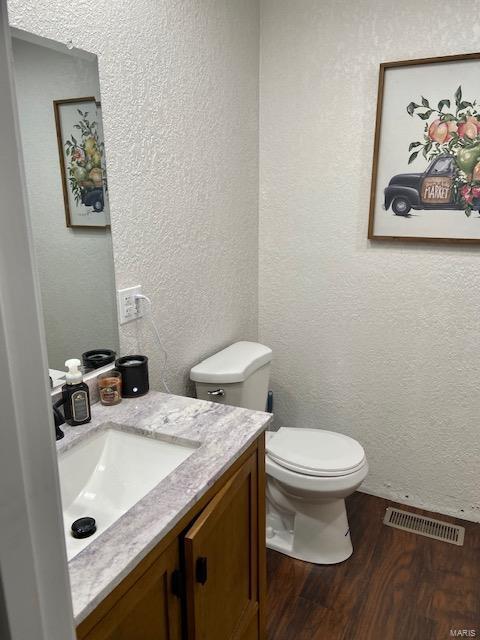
pixel 310 472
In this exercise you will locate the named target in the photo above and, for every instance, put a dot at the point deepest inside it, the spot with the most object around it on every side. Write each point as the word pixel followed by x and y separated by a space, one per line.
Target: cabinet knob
pixel 201 570
pixel 177 583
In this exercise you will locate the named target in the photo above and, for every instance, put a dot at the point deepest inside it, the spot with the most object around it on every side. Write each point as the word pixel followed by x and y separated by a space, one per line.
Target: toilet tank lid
pixel 233 364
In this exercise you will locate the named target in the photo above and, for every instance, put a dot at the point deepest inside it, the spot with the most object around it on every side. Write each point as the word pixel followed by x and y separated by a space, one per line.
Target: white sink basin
pixel 106 474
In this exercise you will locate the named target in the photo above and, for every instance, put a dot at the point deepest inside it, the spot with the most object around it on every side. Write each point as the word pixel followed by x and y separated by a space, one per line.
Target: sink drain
pixel 84 527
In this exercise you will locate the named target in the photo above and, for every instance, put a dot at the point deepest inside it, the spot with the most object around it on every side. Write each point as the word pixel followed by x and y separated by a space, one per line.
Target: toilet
pixel 310 472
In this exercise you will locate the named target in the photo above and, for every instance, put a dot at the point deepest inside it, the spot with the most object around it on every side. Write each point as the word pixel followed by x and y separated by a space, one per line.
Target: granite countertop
pixel 222 432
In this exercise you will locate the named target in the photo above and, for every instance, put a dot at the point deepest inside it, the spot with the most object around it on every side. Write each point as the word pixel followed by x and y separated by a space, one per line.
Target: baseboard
pixel 415 501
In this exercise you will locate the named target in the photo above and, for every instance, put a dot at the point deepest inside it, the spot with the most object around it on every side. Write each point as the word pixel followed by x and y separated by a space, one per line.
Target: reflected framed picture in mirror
pixel 81 151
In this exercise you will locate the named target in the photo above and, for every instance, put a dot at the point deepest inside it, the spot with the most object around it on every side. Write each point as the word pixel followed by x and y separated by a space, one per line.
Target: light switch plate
pixel 128 307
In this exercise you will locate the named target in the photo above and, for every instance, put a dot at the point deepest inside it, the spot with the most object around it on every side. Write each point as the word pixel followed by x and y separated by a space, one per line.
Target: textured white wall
pixel 75 266
pixel 179 84
pixel 378 341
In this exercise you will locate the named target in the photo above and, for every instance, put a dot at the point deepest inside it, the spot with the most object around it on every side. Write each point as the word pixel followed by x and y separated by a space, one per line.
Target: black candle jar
pixel 97 358
pixel 134 370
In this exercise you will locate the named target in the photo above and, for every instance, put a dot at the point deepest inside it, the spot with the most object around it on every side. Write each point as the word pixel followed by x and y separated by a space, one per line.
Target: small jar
pixel 110 387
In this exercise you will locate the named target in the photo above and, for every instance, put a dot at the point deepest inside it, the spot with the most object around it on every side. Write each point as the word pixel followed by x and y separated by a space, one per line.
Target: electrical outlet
pixel 128 308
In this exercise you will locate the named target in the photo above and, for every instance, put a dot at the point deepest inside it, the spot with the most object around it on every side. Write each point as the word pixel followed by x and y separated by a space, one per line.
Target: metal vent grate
pixel 424 526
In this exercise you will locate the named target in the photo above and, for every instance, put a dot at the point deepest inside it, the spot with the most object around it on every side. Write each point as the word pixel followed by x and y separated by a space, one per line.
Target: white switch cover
pixel 128 308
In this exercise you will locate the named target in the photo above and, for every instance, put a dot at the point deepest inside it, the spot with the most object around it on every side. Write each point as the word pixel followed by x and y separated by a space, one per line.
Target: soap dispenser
pixel 76 395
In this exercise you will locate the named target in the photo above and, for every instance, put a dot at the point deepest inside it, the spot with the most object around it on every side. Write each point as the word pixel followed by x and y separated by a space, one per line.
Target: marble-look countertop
pixel 223 434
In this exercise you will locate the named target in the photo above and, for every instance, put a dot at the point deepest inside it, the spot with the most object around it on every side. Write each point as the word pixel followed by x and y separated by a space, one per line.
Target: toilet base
pixel 317 533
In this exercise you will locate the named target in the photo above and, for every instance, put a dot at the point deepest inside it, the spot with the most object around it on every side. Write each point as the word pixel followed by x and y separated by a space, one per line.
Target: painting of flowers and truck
pixel 426 170
pixel 82 162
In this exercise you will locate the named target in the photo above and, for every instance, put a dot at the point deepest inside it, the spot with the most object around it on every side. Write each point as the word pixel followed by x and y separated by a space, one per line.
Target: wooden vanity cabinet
pixel 206 580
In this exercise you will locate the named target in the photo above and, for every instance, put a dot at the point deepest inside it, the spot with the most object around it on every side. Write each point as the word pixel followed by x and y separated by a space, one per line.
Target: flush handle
pixel 218 393
pixel 201 570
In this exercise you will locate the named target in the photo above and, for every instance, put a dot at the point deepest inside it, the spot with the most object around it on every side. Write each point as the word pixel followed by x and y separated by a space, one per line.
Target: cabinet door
pixel 221 561
pixel 149 610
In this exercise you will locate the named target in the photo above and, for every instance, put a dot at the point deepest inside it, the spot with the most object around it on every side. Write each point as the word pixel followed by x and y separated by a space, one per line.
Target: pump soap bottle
pixel 76 395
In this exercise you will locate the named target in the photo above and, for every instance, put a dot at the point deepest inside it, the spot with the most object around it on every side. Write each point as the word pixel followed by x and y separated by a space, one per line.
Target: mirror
pixel 59 107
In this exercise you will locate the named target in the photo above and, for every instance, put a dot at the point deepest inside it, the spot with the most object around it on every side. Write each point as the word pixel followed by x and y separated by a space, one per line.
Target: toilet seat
pixel 315 452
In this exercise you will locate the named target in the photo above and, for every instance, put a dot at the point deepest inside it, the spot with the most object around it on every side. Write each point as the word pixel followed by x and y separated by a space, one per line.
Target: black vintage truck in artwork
pixel 432 189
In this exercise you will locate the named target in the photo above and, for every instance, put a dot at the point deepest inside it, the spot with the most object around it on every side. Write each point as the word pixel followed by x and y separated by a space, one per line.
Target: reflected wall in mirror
pixel 75 264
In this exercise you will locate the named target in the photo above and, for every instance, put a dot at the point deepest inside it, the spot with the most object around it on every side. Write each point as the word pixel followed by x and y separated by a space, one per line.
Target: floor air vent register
pixel 423 526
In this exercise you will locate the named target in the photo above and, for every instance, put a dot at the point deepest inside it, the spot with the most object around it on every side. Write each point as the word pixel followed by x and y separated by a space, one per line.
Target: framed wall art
pixel 81 151
pixel 426 164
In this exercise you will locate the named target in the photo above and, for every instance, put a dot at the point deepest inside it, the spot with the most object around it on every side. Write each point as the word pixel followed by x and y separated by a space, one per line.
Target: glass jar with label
pixel 110 387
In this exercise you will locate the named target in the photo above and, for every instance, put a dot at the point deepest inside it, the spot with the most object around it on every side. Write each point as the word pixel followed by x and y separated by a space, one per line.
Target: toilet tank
pixel 237 375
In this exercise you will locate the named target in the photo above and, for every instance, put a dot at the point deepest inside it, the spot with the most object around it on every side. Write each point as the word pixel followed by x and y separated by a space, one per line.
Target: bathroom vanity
pixel 187 560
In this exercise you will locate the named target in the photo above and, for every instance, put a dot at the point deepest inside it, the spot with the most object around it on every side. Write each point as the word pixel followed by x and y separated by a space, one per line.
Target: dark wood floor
pixel 395 586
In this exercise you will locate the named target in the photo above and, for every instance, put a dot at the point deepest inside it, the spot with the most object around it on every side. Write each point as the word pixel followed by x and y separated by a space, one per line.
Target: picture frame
pixel 81 150
pixel 425 184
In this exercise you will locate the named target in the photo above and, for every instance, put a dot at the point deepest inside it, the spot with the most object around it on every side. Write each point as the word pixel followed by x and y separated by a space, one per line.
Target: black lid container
pixel 97 358
pixel 134 370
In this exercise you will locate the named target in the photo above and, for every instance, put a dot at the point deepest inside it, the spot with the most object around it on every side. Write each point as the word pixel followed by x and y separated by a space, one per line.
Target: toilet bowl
pixel 306 489
pixel 310 472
